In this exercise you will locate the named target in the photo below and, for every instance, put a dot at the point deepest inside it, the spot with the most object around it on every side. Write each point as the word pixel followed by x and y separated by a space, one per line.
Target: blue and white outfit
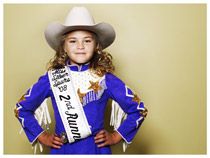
pixel 94 100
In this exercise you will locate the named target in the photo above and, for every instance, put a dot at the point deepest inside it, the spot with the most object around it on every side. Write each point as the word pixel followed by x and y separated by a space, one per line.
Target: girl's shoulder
pixel 112 79
pixel 43 78
pixel 111 76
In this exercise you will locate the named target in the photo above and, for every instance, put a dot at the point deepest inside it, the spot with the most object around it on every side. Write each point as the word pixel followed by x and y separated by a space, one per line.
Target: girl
pixel 79 82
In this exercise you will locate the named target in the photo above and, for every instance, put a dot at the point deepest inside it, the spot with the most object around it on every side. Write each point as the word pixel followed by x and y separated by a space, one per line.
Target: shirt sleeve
pixel 27 105
pixel 130 103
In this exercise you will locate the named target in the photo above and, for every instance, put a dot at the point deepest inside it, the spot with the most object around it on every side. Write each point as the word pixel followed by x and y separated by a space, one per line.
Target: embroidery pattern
pixel 22 98
pixel 27 94
pixel 136 98
pixel 144 112
pixel 81 95
pixel 96 92
pixel 95 86
pixel 17 114
pixel 140 106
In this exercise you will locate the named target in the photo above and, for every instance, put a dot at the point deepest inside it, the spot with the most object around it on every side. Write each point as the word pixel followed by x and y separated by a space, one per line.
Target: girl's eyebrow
pixel 88 37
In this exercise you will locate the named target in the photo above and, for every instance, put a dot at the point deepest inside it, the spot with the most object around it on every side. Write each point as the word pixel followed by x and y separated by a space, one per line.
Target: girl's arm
pixel 27 105
pixel 130 103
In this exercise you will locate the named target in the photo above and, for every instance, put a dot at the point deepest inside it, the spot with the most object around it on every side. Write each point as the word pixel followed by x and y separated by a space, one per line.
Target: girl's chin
pixel 79 62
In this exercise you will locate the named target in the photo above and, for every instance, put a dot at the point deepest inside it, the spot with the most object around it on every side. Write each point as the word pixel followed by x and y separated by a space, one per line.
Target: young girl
pixel 80 81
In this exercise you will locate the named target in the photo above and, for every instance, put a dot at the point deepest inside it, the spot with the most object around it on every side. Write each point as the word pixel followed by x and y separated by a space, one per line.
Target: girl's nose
pixel 80 45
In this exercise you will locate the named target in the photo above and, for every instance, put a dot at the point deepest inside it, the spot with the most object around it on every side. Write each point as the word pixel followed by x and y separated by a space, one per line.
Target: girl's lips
pixel 80 53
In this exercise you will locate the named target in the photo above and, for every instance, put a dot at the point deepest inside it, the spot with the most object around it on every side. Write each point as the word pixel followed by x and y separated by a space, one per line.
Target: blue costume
pixel 94 102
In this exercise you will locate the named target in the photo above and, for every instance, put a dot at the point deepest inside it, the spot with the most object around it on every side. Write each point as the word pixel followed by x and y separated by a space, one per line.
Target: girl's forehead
pixel 79 34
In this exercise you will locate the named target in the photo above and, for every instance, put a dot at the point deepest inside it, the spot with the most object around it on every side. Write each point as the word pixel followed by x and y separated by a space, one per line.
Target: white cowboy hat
pixel 79 18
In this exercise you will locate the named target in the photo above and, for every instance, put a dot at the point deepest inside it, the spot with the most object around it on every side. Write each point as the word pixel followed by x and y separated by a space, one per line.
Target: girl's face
pixel 80 46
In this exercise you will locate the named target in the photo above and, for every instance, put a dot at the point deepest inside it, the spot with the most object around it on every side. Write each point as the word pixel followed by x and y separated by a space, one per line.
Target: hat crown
pixel 79 16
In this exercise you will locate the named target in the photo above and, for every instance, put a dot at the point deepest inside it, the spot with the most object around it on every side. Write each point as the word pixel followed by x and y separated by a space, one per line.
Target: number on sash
pixel 63 97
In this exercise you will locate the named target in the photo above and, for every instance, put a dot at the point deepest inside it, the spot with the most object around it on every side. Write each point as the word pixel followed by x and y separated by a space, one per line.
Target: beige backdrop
pixel 160 52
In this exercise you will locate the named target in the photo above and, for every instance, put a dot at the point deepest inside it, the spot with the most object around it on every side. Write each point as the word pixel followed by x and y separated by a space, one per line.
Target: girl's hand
pixel 104 138
pixel 51 140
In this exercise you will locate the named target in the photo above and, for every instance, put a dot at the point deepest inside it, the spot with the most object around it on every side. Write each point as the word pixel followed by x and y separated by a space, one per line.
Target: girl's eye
pixel 72 41
pixel 88 41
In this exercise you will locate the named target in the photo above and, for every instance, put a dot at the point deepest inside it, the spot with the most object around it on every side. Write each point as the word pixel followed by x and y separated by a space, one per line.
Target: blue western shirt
pixel 111 88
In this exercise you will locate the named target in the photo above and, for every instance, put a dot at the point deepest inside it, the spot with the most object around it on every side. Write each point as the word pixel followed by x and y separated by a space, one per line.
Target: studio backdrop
pixel 159 51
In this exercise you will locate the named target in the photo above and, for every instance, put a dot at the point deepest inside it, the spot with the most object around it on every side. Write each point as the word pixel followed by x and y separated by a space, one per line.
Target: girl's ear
pixel 98 47
pixel 64 48
pixel 63 44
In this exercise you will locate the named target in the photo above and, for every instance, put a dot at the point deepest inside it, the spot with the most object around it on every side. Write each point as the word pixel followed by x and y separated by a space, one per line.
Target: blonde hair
pixel 100 63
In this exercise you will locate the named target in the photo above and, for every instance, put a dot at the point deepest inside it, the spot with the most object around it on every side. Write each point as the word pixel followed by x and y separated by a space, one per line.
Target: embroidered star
pixel 95 86
pixel 22 98
pixel 16 112
pixel 144 112
pixel 136 98
pixel 81 95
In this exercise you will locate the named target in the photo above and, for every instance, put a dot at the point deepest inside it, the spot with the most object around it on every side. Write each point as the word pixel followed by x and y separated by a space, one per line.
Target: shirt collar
pixel 74 67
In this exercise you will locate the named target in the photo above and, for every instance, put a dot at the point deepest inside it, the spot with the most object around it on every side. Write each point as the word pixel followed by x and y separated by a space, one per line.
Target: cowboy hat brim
pixel 53 33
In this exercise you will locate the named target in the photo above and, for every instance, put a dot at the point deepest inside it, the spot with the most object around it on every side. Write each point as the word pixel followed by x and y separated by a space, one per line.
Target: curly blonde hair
pixel 100 63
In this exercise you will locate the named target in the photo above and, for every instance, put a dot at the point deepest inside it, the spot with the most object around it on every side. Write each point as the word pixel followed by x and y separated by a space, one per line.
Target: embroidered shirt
pixel 94 93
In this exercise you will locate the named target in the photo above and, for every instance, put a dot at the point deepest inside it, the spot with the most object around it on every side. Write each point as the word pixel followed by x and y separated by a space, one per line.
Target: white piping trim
pixel 126 89
pixel 21 118
pixel 37 136
pixel 29 93
pixel 138 108
pixel 19 106
pixel 22 121
pixel 138 120
pixel 123 137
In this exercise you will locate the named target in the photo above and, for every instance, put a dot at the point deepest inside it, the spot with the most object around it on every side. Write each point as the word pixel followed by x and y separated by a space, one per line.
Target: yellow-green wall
pixel 160 52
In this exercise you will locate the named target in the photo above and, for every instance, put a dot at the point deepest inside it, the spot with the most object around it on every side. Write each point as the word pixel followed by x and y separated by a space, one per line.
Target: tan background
pixel 160 51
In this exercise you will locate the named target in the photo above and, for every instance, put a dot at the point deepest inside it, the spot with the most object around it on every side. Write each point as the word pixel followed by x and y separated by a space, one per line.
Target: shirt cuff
pixel 123 137
pixel 37 137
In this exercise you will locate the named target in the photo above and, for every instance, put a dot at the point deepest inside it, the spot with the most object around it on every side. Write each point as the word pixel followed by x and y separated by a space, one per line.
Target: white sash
pixel 69 105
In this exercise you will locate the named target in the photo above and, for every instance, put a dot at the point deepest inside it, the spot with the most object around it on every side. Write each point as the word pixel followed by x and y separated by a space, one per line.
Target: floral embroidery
pixel 22 98
pixel 144 112
pixel 16 112
pixel 136 98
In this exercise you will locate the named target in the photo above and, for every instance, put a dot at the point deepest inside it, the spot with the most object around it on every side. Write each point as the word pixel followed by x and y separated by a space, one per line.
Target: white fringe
pixel 43 117
pixel 117 117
